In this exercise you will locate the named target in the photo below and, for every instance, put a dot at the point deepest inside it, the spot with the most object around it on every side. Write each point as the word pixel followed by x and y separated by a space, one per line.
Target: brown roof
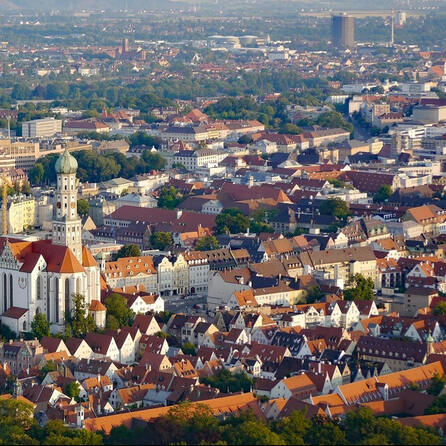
pixel 96 305
pixel 14 312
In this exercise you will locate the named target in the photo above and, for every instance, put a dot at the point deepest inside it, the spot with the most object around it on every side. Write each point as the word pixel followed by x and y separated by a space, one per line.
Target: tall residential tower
pixel 343 31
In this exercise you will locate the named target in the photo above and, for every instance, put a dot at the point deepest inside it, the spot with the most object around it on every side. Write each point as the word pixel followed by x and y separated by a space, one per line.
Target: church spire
pixel 66 223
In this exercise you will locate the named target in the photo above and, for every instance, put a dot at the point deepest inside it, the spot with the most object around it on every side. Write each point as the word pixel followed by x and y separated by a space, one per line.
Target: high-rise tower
pixel 343 31
pixel 67 224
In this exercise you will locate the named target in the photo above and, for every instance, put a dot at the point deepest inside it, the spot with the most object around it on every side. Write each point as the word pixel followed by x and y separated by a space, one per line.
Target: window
pixel 38 289
pixel 57 300
pixel 67 295
pixel 11 297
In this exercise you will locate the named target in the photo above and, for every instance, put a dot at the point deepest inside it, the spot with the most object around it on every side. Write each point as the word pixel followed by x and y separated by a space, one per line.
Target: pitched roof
pixel 59 259
pixel 219 406
pixel 87 259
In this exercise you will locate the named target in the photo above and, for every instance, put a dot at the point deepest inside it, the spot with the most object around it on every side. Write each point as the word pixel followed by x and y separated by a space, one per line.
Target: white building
pixel 41 128
pixel 42 276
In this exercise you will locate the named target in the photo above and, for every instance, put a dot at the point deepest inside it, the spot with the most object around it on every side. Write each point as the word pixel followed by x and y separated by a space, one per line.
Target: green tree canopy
pixel 335 207
pixel 207 243
pixel 129 250
pixel 440 309
pixel 359 288
pixel 37 174
pixel 72 390
pixel 82 206
pixel 189 349
pixel 291 129
pixel 161 240
pixel 153 160
pixel 169 198
pixel 117 307
pixel 40 326
pixel 437 385
pixel 384 192
pixel 79 320
pixel 231 221
pixel 225 381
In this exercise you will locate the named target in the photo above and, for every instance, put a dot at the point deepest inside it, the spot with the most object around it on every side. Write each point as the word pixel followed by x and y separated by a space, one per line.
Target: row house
pixel 158 274
pixel 340 264
pixel 399 355
pixel 20 355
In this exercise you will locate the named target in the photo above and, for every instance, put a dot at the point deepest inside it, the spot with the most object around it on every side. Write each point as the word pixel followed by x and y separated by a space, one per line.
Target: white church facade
pixel 42 276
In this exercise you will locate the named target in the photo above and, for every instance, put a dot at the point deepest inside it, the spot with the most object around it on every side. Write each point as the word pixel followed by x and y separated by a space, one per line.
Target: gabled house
pixel 103 346
pixel 299 386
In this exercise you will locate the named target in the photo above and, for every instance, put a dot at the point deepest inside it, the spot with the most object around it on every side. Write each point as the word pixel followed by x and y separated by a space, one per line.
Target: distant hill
pixel 76 5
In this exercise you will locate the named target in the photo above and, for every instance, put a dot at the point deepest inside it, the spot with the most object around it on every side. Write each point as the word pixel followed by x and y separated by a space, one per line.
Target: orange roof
pixel 70 264
pixel 366 390
pixel 87 259
pixel 96 305
pixel 245 298
pixel 225 405
pixel 436 421
pixel 59 259
pixel 130 266
pixel 332 399
pixel 298 382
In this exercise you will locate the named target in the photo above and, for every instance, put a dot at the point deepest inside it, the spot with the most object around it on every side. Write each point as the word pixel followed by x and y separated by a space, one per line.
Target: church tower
pixel 67 224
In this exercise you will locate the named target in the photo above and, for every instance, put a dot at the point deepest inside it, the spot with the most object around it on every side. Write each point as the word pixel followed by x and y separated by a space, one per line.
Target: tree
pixel 437 385
pixel 207 243
pixel 50 366
pixel 169 198
pixel 72 390
pixel 259 226
pixel 293 428
pixel 360 288
pixel 384 192
pixel 314 294
pixel 189 349
pixel 128 250
pixel 291 129
pixel 117 307
pixel 36 174
pixel 440 309
pixel 55 432
pixel 40 326
pixel 187 423
pixel 161 240
pixel 437 406
pixel 16 418
pixel 225 381
pixel 79 319
pixel 143 139
pixel 245 139
pixel 26 188
pixel 333 119
pixel 231 221
pixel 82 206
pixel 154 161
pixel 252 432
pixel 325 432
pixel 335 207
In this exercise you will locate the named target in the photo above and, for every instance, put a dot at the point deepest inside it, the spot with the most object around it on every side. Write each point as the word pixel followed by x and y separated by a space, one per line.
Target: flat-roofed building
pixel 38 128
